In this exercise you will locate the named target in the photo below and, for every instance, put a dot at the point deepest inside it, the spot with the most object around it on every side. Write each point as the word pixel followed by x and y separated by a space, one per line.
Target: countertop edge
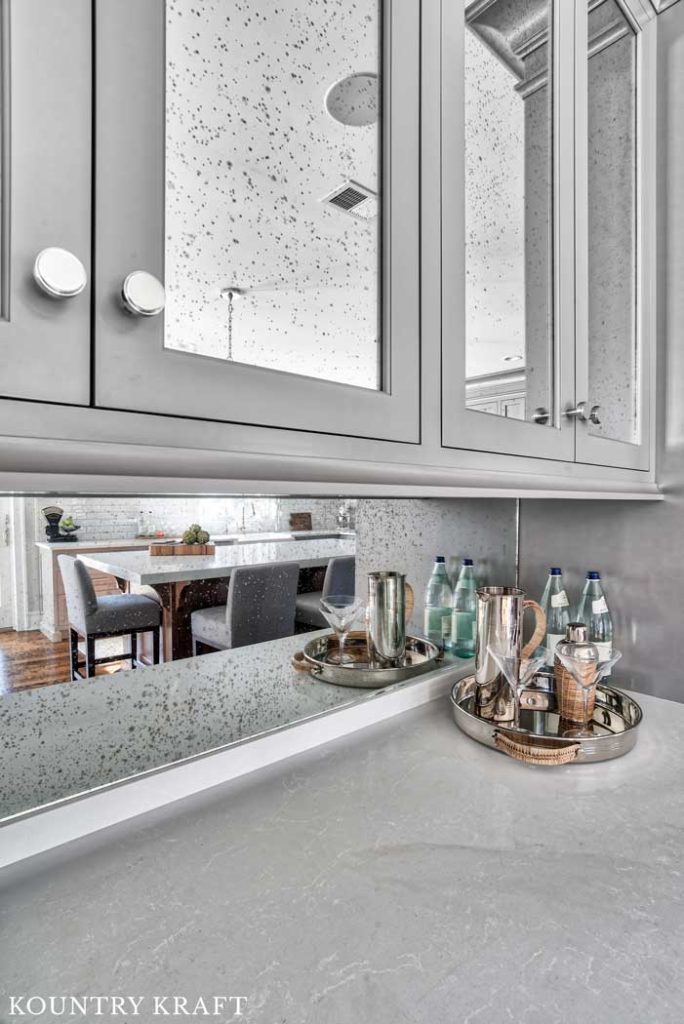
pixel 79 816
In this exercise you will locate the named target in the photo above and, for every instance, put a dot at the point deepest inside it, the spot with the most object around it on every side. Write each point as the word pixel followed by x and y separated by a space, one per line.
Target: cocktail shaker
pixel 575 671
pixel 386 619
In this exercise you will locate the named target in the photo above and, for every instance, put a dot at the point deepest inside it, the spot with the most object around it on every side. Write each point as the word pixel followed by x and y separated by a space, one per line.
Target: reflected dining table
pixel 184 583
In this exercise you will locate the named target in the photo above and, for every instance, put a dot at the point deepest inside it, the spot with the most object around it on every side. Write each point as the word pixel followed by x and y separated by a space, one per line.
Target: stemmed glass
pixel 341 610
pixel 517 673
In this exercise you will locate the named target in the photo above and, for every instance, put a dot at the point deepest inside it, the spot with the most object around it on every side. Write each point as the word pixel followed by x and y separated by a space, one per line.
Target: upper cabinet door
pixel 258 174
pixel 508 227
pixel 616 125
pixel 45 199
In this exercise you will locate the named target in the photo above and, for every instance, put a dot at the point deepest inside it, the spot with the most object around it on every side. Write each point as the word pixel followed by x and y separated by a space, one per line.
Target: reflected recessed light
pixel 354 101
pixel 512 359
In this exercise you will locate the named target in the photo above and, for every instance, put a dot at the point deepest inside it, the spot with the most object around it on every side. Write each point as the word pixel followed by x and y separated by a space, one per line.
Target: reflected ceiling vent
pixel 354 199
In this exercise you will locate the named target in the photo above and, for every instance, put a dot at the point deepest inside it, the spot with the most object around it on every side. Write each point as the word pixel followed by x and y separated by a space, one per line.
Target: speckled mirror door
pixel 273 205
pixel 508 226
pixel 509 315
pixel 614 222
pixel 267 172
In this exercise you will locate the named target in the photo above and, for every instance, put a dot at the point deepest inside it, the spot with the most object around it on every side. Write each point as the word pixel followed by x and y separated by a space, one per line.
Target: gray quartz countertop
pixel 403 875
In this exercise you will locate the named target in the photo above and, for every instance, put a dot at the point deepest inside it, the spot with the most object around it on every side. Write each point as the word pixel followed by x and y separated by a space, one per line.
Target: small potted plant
pixel 68 526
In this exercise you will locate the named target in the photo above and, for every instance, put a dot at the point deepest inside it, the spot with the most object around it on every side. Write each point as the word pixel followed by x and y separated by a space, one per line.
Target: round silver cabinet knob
pixel 59 273
pixel 143 294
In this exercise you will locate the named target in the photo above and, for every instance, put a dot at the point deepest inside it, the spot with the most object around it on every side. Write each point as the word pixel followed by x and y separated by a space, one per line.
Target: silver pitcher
pixel 500 627
pixel 386 619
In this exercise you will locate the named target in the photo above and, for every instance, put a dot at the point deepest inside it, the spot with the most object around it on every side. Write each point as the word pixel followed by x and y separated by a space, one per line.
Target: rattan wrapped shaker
pixel 571 695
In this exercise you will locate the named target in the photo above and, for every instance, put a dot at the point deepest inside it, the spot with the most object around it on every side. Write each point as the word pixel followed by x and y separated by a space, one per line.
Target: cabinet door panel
pixel 616 119
pixel 280 205
pixel 45 172
pixel 507 227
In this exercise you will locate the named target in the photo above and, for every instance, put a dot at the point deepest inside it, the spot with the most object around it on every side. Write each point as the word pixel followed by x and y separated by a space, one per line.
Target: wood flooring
pixel 29 659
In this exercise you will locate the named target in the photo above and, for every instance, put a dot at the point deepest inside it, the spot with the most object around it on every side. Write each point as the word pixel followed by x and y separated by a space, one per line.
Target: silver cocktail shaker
pixel 386 619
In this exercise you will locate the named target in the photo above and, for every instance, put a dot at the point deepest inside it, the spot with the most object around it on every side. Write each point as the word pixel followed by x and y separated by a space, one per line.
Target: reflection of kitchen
pixel 507 156
pixel 501 394
pixel 114 538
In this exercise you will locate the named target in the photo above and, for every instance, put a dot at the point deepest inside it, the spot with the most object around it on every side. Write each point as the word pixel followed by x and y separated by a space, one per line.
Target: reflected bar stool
pixel 340 578
pixel 260 607
pixel 94 618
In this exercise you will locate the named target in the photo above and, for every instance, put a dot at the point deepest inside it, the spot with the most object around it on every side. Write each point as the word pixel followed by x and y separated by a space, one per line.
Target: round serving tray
pixel 319 654
pixel 541 736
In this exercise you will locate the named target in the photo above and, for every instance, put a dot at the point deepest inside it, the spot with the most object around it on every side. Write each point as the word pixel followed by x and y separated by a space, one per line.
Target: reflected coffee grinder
pixel 53 514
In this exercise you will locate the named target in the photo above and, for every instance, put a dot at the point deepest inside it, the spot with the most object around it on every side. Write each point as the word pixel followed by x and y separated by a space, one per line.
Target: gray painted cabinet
pixel 45 197
pixel 216 179
pixel 547 229
pixel 353 291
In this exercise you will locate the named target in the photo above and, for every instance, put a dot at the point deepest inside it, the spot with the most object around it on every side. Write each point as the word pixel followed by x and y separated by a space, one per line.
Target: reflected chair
pixel 93 618
pixel 340 578
pixel 260 607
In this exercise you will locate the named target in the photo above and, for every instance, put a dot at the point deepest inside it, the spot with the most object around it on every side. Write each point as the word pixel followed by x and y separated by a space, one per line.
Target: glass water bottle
pixel 438 600
pixel 464 613
pixel 556 607
pixel 593 611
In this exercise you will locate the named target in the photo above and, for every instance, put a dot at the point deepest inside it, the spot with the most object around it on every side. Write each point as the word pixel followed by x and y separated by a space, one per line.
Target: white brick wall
pixel 117 518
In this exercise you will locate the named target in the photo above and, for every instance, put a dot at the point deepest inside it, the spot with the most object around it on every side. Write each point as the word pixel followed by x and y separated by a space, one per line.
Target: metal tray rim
pixel 600 747
pixel 369 678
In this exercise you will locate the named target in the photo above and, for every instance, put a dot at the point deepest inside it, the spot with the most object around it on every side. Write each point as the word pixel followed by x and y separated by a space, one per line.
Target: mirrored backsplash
pixel 226 663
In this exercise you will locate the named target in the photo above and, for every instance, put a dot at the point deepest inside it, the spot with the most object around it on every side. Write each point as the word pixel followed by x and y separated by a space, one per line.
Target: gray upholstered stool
pixel 260 607
pixel 340 578
pixel 96 618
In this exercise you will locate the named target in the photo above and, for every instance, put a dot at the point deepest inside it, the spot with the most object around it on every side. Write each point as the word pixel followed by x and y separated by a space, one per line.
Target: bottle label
pixel 463 627
pixel 437 624
pixel 605 649
pixel 551 640
pixel 559 600
pixel 599 606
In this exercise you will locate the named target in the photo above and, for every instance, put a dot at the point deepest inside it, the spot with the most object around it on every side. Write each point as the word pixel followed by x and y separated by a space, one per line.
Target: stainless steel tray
pixel 421 656
pixel 614 726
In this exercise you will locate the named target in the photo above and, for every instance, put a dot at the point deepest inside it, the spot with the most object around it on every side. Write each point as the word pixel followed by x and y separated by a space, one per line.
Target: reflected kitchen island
pixel 186 583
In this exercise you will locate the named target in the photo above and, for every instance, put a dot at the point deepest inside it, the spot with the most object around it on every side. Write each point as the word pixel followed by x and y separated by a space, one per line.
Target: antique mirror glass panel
pixel 612 163
pixel 508 207
pixel 273 191
pixel 126 645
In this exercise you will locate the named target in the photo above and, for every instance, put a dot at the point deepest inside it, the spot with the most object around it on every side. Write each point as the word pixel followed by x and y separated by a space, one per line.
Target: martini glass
pixel 517 673
pixel 586 678
pixel 340 611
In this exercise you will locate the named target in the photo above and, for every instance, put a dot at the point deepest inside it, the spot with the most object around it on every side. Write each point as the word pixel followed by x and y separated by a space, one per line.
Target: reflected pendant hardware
pixel 229 294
